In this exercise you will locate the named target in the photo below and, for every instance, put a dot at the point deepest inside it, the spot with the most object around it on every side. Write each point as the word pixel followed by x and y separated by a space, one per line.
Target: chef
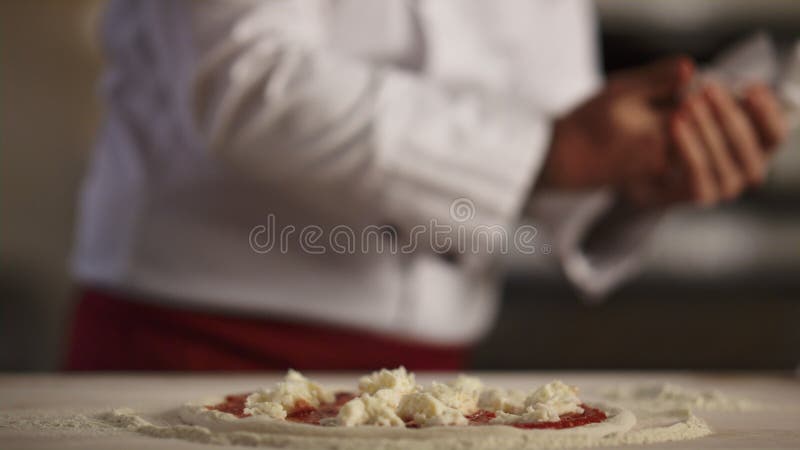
pixel 230 123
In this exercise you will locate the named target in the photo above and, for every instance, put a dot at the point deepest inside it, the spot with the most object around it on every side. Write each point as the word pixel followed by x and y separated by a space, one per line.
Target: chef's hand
pixel 722 147
pixel 621 133
pixel 657 144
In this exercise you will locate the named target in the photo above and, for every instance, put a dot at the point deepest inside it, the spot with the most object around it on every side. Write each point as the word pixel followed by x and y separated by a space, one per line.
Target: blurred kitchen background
pixel 721 291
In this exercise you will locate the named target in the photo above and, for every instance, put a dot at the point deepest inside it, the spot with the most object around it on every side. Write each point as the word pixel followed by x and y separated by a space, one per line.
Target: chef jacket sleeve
pixel 341 133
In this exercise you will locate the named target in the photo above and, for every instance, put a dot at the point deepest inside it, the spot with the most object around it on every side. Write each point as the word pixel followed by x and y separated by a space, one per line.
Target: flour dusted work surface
pixel 172 411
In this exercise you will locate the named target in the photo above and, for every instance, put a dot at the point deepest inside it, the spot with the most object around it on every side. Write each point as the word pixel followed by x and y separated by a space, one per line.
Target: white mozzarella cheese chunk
pixel 396 380
pixel 538 413
pixel 467 383
pixel 545 404
pixel 378 410
pixel 255 406
pixel 560 397
pixel 509 401
pixel 295 387
pixel 426 410
pixel 461 394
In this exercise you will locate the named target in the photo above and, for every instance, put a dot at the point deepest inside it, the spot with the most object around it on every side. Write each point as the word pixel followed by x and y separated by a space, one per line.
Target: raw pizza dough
pixel 619 421
pixel 196 422
pixel 208 429
pixel 387 400
pixel 664 426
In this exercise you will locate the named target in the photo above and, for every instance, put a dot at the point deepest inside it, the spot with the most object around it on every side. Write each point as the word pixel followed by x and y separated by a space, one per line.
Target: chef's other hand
pixel 621 133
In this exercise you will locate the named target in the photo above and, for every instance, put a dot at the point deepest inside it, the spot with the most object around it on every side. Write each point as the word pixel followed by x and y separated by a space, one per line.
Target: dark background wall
pixel 48 65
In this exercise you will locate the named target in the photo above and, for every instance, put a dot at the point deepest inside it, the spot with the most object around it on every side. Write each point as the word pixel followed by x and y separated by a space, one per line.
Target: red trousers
pixel 111 332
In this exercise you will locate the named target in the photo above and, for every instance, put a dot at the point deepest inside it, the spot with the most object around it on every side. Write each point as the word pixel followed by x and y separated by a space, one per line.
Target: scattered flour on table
pixel 670 396
pixel 50 422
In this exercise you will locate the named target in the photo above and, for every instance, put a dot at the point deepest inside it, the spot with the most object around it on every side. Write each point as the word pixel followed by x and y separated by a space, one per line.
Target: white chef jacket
pixel 220 114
